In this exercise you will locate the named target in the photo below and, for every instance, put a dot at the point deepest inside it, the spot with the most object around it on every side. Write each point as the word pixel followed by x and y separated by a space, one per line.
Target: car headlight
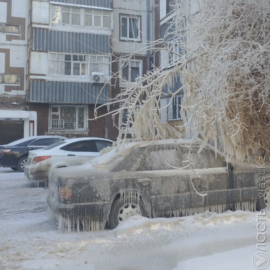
pixel 65 193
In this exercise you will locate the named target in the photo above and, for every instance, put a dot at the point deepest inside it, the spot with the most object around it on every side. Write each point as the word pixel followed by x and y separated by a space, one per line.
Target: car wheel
pixel 21 164
pixel 264 199
pixel 121 210
pixel 14 168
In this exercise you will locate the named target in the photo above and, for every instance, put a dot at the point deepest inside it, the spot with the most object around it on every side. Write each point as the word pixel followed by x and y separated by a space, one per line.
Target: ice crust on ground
pixel 29 240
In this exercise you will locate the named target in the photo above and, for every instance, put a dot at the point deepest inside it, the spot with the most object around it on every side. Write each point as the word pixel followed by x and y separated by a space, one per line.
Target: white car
pixel 70 152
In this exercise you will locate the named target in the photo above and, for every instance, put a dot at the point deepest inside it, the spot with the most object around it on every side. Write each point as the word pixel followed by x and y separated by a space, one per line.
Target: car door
pixel 77 153
pixel 175 191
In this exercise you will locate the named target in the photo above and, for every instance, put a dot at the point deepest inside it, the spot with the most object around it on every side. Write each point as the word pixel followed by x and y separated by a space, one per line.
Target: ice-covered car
pixel 161 179
pixel 70 152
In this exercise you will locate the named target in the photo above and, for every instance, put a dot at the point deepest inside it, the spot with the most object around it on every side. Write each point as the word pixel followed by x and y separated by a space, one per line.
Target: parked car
pixel 15 154
pixel 70 152
pixel 162 179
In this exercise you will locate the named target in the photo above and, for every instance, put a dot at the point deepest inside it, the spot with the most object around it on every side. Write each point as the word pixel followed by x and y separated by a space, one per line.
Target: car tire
pixel 263 199
pixel 21 163
pixel 122 209
pixel 14 168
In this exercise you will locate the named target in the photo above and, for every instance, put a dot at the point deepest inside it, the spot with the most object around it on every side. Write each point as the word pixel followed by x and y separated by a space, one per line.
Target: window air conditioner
pixel 97 77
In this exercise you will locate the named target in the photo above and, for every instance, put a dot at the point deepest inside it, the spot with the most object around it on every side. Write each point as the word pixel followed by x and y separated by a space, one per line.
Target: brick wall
pixel 42 117
pixel 96 128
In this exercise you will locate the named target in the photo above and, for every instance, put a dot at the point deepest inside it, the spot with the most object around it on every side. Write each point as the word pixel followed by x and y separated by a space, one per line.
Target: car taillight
pixel 65 193
pixel 5 150
pixel 38 159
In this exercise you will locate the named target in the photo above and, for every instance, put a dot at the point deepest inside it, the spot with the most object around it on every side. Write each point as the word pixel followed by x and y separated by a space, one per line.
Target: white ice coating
pixel 167 192
pixel 223 65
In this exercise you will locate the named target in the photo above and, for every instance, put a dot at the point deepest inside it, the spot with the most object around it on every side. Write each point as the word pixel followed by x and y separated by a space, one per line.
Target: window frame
pixel 83 13
pixel 3 80
pixel 174 103
pixel 58 113
pixel 174 52
pixel 4 26
pixel 127 38
pixel 57 66
pixel 102 15
pixel 126 118
pixel 125 82
pixel 169 6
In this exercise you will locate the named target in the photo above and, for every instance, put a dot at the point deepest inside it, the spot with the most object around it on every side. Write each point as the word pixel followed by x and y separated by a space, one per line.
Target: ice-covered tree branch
pixel 224 66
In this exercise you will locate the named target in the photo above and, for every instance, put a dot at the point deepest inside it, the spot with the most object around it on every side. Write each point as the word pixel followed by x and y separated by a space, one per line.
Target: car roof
pixel 86 138
pixel 34 137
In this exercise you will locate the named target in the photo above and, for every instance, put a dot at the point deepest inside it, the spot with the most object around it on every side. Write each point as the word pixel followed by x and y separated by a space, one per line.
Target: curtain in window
pixel 133 28
pixel 134 73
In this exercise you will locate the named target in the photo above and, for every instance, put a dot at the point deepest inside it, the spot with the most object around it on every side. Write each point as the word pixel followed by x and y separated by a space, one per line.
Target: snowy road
pixel 29 238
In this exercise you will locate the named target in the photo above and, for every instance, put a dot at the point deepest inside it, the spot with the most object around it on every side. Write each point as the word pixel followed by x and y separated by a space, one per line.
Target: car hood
pixel 77 173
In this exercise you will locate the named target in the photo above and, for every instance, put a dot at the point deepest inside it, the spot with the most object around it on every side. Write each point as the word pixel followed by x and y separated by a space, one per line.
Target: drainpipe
pixel 148 33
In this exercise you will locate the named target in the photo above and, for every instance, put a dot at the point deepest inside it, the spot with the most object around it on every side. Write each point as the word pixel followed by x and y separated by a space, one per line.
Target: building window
pixel 130 28
pixel 125 119
pixel 9 29
pixel 78 64
pixel 97 18
pixel 174 52
pixel 9 78
pixel 66 15
pixel 170 5
pixel 129 71
pixel 175 108
pixel 83 17
pixel 100 64
pixel 68 118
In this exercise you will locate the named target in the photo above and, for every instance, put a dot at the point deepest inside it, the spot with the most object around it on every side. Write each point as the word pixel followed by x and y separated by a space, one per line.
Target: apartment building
pixel 134 29
pixel 69 65
pixel 15 119
pixel 60 56
pixel 170 107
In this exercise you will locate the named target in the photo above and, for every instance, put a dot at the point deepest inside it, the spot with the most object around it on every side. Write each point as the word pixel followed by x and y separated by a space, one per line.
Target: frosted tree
pixel 224 66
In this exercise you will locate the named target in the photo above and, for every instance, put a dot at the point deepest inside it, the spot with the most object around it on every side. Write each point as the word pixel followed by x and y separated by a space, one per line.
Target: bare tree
pixel 224 66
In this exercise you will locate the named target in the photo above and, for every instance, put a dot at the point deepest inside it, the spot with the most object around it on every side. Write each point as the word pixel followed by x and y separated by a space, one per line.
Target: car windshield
pixel 22 142
pixel 53 145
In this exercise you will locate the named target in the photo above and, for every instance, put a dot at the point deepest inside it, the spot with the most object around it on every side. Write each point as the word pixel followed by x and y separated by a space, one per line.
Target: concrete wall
pixel 13 51
pixel 135 8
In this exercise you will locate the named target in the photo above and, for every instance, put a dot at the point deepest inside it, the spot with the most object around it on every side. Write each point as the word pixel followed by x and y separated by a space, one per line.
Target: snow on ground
pixel 29 239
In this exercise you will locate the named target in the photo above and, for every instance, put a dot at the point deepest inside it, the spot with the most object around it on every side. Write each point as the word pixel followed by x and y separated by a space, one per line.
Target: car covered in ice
pixel 15 154
pixel 70 152
pixel 157 179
